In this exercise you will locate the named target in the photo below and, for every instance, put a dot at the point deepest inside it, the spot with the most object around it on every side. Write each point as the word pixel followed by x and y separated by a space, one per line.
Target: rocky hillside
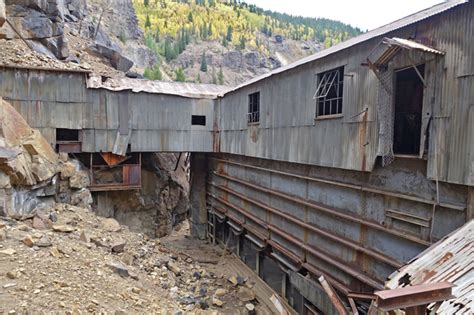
pixel 218 42
pixel 227 42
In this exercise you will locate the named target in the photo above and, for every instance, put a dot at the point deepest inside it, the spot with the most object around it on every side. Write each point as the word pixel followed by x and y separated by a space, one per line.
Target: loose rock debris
pixel 87 264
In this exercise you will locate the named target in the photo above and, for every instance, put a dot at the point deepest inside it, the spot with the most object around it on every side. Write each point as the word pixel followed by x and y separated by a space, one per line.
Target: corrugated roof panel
pixel 452 260
pixel 190 90
pixel 411 19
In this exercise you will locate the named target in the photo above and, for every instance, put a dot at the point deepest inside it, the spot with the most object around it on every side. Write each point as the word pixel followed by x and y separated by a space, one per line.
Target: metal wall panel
pixel 337 220
pixel 288 131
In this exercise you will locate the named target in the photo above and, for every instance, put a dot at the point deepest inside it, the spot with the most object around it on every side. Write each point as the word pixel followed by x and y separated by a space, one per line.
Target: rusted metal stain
pixel 112 159
pixel 448 260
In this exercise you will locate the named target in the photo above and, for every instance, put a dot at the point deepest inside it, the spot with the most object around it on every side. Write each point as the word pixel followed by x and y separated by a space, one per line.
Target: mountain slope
pixel 228 42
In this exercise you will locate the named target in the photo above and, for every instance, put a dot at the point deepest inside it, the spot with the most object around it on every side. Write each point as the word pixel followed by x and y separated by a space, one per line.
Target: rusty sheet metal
pixel 449 260
pixel 410 44
pixel 411 19
pixel 190 90
pixel 412 296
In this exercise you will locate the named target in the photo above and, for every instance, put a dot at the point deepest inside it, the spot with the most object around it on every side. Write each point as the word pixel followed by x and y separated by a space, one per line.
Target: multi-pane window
pixel 329 92
pixel 253 115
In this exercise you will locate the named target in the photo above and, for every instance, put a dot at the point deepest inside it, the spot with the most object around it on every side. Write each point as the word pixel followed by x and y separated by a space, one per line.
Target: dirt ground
pixel 87 264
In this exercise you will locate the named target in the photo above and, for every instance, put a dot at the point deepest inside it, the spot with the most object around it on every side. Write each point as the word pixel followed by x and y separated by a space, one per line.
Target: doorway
pixel 408 109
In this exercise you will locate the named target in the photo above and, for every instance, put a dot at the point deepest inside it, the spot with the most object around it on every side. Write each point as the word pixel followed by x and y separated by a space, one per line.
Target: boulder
pixel 117 60
pixel 38 5
pixel 58 46
pixel 42 222
pixel 111 225
pixel 3 15
pixel 79 180
pixel 68 169
pixel 81 198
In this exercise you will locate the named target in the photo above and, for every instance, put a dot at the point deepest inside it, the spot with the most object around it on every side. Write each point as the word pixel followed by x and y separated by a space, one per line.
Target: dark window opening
pixel 198 120
pixel 67 135
pixel 329 92
pixel 271 273
pixel 249 253
pixel 408 109
pixel 254 108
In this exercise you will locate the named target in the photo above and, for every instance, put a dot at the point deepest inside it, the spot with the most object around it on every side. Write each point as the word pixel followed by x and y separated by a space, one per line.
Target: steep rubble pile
pixel 32 176
pixel 83 263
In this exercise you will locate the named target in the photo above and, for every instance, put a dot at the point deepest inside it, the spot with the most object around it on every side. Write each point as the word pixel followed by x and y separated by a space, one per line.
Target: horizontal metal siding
pixel 242 182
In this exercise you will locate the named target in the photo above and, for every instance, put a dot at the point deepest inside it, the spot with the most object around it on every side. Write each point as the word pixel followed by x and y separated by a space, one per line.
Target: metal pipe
pixel 332 211
pixel 345 185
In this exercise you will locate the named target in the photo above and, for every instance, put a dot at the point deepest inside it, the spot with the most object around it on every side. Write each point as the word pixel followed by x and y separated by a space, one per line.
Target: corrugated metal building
pixel 346 164
pixel 350 162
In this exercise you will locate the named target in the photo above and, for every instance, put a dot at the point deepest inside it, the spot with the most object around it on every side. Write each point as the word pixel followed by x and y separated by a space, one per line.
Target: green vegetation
pixel 180 76
pixel 170 25
pixel 153 73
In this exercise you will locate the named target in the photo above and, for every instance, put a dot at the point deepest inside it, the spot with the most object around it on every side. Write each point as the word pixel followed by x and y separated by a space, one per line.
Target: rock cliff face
pixel 2 12
pixel 32 175
pixel 66 29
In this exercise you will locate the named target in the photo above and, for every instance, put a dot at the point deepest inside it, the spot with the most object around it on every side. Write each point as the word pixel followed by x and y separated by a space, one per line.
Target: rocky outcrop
pixel 2 12
pixel 32 176
pixel 40 21
pixel 117 60
pixel 118 37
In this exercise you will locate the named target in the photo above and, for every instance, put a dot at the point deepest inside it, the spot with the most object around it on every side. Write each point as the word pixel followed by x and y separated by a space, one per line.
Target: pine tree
pixel 147 22
pixel 224 41
pixel 203 62
pixel 220 77
pixel 213 76
pixel 168 50
pixel 180 76
pixel 153 73
pixel 229 33
pixel 242 42
pixel 190 17
pixel 146 3
pixel 209 30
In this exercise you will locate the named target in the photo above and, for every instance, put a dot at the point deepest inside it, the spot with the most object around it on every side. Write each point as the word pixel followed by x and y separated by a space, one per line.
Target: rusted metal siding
pixel 336 222
pixel 109 120
pixel 452 260
pixel 289 132
pixel 45 99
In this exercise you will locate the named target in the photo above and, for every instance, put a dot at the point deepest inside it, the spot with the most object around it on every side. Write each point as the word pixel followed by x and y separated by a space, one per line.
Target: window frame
pixel 329 93
pixel 253 109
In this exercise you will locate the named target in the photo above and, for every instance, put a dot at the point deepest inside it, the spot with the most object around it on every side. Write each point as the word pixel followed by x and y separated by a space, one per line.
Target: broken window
pixel 67 135
pixel 329 92
pixel 408 109
pixel 254 108
pixel 68 140
pixel 198 120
